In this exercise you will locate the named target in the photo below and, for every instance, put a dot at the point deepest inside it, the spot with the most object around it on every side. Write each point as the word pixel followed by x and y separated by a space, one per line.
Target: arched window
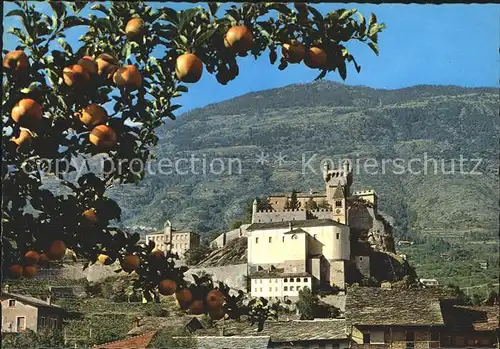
pixel 306 279
pixel 338 203
pixel 285 288
pixel 256 240
pixel 291 288
pixel 286 280
pixel 294 237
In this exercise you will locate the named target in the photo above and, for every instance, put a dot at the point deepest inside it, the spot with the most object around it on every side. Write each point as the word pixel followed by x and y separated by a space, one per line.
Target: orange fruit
pixel 75 75
pixel 106 65
pixel 293 52
pixel 31 257
pixel 239 39
pixel 93 115
pixel 315 58
pixel 104 259
pixel 130 263
pixel 30 271
pixel 215 299
pixel 188 68
pixel 27 112
pixel 216 314
pixel 43 258
pixel 128 76
pixel 167 287
pixel 89 64
pixel 135 28
pixel 16 271
pixel 16 60
pixel 197 307
pixel 56 250
pixel 184 297
pixel 24 139
pixel 90 216
pixel 103 137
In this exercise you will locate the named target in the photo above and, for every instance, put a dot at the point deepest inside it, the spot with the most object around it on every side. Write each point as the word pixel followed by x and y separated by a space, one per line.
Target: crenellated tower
pixel 338 188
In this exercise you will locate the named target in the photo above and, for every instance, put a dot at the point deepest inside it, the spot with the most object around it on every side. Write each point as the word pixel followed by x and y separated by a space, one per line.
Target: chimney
pixel 290 225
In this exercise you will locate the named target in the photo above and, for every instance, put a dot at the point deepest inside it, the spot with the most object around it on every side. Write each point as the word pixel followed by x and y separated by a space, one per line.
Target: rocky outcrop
pixel 234 252
pixel 370 230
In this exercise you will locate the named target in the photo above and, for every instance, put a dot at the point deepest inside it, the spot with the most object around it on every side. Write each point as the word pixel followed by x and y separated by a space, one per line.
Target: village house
pixel 417 319
pixel 20 312
pixel 177 241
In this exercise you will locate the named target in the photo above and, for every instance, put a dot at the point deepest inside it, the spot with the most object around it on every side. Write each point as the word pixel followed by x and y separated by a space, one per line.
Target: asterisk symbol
pixel 262 158
pixel 280 159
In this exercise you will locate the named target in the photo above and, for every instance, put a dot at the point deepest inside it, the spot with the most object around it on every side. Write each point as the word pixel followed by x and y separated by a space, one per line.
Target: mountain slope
pixel 326 120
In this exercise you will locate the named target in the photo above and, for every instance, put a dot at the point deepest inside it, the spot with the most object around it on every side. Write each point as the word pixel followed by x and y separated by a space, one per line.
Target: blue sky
pixel 422 44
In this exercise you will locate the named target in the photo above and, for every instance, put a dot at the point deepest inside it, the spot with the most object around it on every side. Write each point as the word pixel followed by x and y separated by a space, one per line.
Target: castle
pixel 289 249
pixel 174 240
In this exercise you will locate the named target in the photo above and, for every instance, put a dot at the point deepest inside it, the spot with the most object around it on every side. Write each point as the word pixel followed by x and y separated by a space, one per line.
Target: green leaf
pixel 186 17
pixel 100 8
pixel 16 13
pixel 73 21
pixel 182 88
pixel 170 15
pixel 67 48
pixel 347 14
pixel 213 7
pixel 204 36
pixel 374 47
pixel 342 70
pixel 373 20
pixel 59 8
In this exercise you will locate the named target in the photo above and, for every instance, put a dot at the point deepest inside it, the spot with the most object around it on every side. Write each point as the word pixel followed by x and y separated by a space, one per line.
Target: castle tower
pixel 339 205
pixel 254 210
pixel 167 230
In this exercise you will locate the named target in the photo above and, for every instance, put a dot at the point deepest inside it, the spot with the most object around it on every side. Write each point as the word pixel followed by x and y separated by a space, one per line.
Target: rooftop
pixel 234 342
pixel 283 331
pixel 150 323
pixel 30 300
pixel 478 318
pixel 137 342
pixel 298 224
pixel 278 273
pixel 380 307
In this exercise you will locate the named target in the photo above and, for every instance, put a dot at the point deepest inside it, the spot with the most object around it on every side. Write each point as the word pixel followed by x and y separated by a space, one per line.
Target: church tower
pixel 338 189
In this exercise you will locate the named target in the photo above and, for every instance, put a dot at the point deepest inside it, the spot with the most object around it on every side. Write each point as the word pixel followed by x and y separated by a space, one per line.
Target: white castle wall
pixel 268 216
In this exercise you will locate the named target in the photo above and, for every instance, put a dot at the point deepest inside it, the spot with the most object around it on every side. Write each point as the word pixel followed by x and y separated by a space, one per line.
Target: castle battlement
pixel 321 210
pixel 280 211
pixel 364 192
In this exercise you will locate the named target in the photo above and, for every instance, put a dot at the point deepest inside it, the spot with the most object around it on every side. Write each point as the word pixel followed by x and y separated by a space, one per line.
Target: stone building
pixel 20 312
pixel 178 241
pixel 315 242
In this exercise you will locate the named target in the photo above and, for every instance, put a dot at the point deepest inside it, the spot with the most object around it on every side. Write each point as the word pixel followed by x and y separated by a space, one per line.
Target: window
pixel 270 239
pixel 338 203
pixel 256 240
pixel 260 280
pixel 410 338
pixel 294 237
pixel 298 288
pixel 338 236
pixel 21 323
pixel 315 236
pixel 285 288
pixel 53 323
pixel 42 322
pixel 256 289
pixel 434 335
pixel 261 289
pixel 306 279
pixel 12 302
pixel 366 338
pixel 276 289
pixel 270 289
pixel 283 239
pixel 286 280
pixel 291 288
pixel 377 337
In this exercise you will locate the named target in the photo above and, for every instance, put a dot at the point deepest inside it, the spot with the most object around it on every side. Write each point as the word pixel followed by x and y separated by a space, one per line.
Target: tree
pixel 323 204
pixel 196 254
pixel 311 205
pixel 293 203
pixel 66 104
pixel 310 307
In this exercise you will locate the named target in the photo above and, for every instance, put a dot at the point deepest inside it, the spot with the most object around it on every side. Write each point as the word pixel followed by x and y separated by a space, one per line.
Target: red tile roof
pixel 137 342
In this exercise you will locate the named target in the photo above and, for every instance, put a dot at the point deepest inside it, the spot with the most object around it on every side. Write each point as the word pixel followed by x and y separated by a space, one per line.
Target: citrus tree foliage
pixel 52 107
